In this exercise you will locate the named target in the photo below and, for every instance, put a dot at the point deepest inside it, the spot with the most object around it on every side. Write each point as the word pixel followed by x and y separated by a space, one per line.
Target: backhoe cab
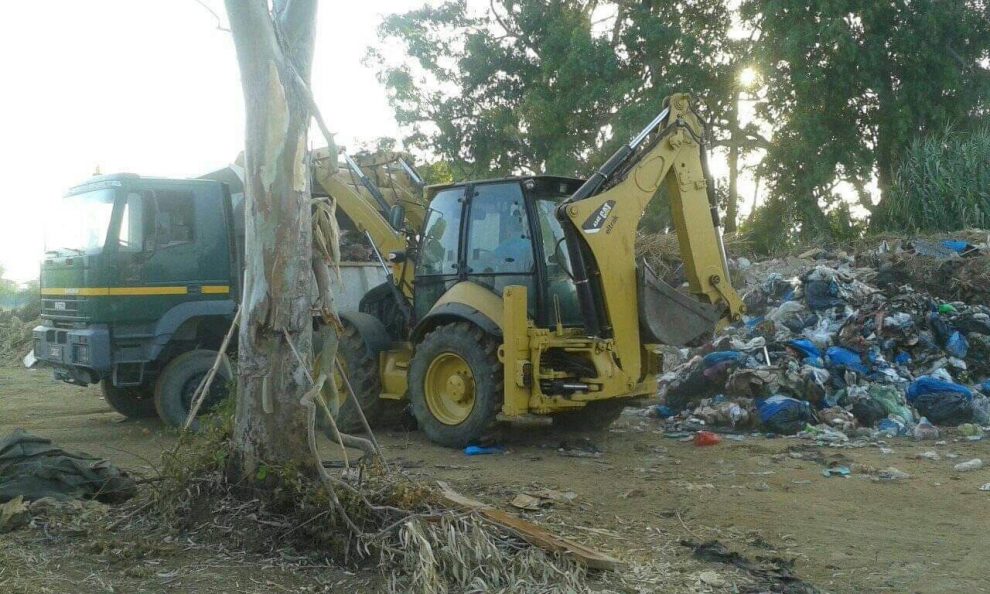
pixel 523 296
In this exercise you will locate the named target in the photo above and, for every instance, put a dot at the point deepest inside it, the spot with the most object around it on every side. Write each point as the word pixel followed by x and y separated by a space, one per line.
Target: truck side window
pixel 132 224
pixel 174 218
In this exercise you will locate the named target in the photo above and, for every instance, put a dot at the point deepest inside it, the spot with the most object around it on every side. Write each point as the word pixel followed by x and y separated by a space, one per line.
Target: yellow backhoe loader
pixel 522 296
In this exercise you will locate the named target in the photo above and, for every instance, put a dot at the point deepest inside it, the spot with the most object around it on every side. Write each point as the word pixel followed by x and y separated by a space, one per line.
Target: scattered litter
pixel 526 502
pixel 931 455
pixel 925 430
pixel 970 430
pixel 892 474
pixel 474 450
pixel 985 487
pixel 969 465
pixel 579 448
pixel 13 514
pixel 706 438
pixel 836 471
pixel 633 493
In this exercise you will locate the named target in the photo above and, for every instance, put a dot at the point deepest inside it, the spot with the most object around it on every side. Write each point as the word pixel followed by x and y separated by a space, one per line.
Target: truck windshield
pixel 81 222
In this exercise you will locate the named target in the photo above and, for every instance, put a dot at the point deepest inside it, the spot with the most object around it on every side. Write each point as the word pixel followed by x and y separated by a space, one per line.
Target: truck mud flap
pixel 668 316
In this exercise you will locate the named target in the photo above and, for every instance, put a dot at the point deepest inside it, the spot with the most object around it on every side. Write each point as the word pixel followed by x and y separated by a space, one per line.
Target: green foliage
pixel 850 84
pixel 943 184
pixel 769 229
pixel 532 86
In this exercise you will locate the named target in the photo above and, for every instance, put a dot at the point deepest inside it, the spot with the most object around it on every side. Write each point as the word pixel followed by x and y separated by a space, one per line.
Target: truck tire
pixel 595 416
pixel 134 402
pixel 361 366
pixel 179 380
pixel 455 384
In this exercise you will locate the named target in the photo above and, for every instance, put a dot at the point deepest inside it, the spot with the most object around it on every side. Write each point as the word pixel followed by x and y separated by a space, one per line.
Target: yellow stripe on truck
pixel 131 291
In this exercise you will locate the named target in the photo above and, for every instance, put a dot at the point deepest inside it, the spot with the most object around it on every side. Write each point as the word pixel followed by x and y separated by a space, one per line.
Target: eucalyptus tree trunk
pixel 275 50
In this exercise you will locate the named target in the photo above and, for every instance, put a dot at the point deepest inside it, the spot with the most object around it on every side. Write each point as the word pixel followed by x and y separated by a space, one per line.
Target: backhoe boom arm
pixel 601 219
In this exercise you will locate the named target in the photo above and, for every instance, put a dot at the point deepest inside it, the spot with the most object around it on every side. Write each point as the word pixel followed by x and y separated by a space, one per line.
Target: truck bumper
pixel 78 355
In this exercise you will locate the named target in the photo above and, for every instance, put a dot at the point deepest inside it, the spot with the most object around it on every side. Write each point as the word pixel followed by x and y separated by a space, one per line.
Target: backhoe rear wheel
pixel 361 366
pixel 134 402
pixel 455 384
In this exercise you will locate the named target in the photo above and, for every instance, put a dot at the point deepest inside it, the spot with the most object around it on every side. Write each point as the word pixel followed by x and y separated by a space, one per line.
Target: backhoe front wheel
pixel 455 384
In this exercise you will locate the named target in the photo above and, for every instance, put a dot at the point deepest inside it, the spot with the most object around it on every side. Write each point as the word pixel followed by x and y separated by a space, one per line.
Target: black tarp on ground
pixel 33 467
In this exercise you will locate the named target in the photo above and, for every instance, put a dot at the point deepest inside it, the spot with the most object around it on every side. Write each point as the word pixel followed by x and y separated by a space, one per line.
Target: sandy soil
pixel 637 500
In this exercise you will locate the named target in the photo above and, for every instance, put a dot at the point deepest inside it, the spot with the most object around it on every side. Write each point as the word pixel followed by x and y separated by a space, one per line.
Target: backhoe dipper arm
pixel 600 222
pixel 366 215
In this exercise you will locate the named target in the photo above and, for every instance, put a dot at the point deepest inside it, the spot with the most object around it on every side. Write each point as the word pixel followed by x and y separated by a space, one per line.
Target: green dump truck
pixel 140 283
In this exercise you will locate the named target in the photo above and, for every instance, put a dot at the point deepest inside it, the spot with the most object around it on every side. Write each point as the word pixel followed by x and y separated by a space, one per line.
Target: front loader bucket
pixel 669 316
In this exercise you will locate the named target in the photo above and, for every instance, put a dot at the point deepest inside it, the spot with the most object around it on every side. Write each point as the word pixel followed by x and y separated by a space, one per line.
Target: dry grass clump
pixel 404 529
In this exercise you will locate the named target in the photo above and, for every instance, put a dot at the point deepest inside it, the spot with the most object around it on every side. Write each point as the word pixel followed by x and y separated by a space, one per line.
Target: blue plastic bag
pixel 927 384
pixel 957 345
pixel 805 347
pixel 902 358
pixel 839 357
pixel 956 245
pixel 783 414
pixel 481 451
pixel 713 359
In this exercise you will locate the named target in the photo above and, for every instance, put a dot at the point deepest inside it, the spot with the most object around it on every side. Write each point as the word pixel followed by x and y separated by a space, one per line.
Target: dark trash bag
pixel 944 408
pixel 819 294
pixel 34 468
pixel 868 411
pixel 783 414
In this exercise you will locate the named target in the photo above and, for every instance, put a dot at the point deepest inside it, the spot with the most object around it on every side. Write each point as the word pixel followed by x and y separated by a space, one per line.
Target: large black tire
pixel 178 382
pixel 361 365
pixel 595 416
pixel 134 402
pixel 479 352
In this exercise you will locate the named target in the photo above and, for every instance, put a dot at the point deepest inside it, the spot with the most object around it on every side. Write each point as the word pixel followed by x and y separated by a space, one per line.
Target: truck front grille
pixel 65 307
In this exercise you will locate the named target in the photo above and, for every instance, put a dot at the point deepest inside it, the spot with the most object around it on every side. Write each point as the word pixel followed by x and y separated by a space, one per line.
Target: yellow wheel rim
pixel 449 389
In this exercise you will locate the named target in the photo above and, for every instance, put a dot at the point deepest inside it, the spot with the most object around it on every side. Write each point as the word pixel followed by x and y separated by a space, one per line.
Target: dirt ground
pixel 637 500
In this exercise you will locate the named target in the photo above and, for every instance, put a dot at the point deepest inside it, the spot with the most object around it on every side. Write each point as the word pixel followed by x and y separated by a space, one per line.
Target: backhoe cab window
pixel 499 240
pixel 439 245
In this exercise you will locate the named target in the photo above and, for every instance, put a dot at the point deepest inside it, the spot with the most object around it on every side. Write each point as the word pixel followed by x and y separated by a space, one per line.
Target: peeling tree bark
pixel 270 421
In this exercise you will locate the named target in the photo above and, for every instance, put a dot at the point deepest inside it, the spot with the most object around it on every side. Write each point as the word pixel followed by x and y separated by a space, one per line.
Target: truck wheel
pixel 179 380
pixel 595 416
pixel 134 402
pixel 361 366
pixel 455 384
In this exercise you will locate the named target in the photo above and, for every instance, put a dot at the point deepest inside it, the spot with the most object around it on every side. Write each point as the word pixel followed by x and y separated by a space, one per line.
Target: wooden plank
pixel 532 533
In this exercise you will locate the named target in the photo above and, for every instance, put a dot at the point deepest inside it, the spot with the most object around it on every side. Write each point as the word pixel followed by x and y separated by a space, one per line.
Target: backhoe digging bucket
pixel 669 316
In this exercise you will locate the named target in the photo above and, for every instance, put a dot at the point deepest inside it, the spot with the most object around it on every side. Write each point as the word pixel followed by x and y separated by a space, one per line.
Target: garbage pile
pixel 830 352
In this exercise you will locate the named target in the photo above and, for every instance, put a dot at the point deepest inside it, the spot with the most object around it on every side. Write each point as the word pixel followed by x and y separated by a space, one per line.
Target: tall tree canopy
pixel 550 86
pixel 850 84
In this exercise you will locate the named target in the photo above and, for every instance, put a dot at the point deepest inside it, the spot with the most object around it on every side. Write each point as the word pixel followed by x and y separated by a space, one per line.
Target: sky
pixel 149 87
pixel 152 87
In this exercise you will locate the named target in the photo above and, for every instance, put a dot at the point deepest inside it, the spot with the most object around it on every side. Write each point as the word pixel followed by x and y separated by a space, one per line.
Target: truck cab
pixel 137 271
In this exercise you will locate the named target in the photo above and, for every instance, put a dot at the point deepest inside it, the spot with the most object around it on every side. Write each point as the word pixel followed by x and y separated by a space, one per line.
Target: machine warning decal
pixel 597 219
